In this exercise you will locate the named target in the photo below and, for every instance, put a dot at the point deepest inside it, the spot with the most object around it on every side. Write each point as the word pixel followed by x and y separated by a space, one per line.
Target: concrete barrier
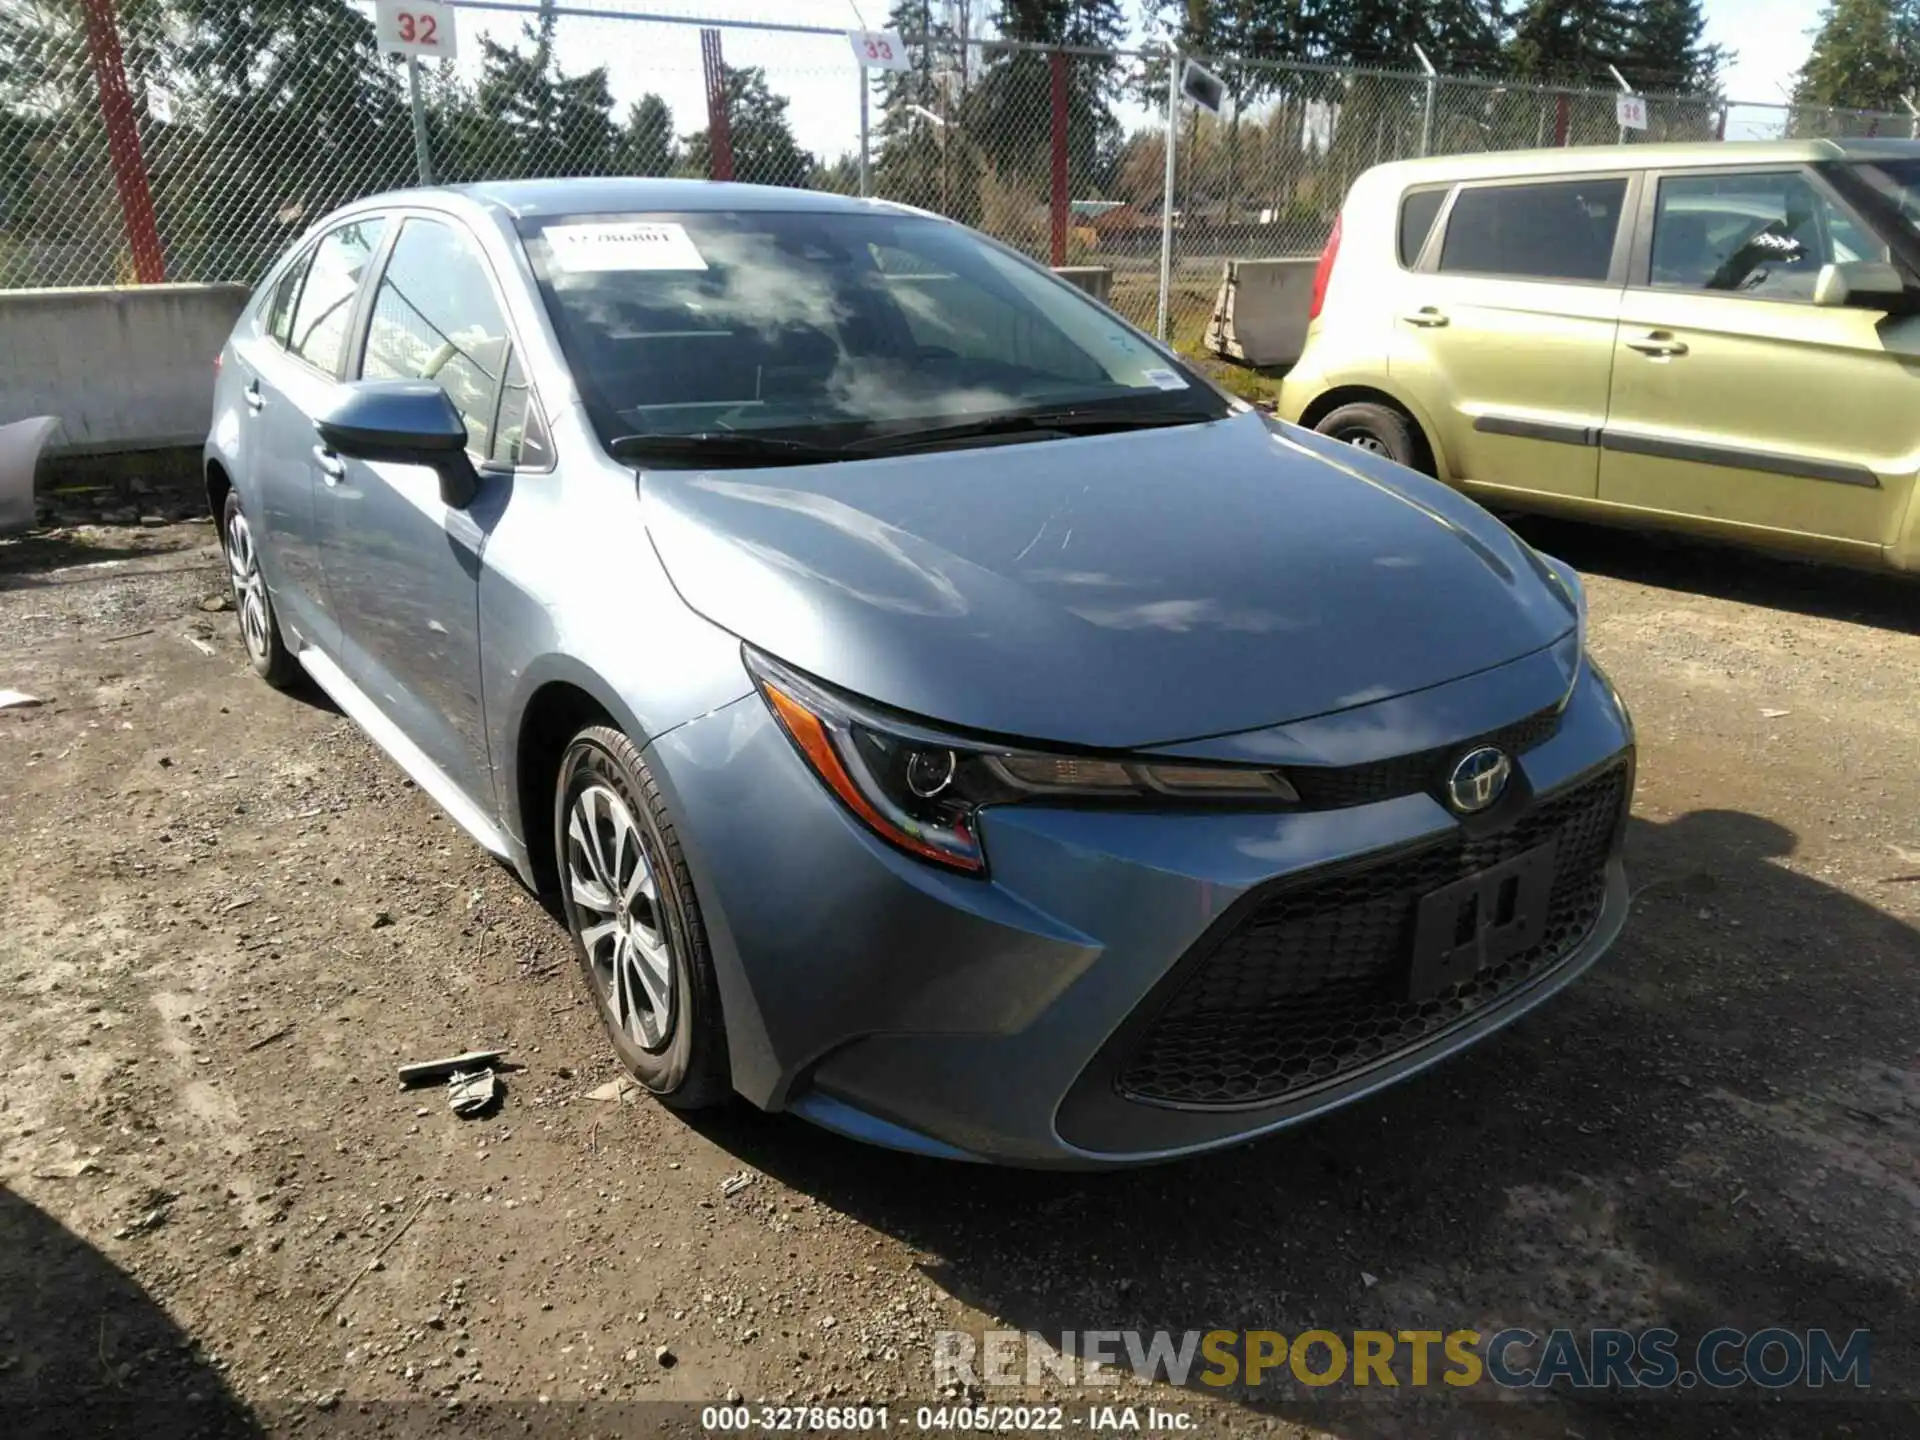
pixel 1260 314
pixel 122 369
pixel 1096 280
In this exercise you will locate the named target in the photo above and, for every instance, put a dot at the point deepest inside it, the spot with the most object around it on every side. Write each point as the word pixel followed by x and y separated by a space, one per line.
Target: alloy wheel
pixel 249 586
pixel 622 928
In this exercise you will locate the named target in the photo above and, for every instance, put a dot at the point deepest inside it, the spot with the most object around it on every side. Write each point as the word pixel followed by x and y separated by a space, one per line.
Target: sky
pixel 817 73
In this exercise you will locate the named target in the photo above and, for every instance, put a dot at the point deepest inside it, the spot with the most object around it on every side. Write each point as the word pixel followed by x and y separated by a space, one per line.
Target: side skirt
pixel 404 753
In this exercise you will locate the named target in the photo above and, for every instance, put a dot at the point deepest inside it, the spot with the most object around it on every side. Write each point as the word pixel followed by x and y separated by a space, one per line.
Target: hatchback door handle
pixel 255 400
pixel 1660 343
pixel 1426 317
pixel 332 468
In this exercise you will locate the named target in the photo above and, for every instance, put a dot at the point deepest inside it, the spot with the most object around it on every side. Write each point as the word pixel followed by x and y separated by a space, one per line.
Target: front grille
pixel 1312 983
pixel 1333 787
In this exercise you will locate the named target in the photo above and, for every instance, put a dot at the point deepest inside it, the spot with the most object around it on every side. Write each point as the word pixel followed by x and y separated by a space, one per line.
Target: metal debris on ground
pixel 734 1184
pixel 471 1093
pixel 426 1072
pixel 202 646
pixel 18 700
pixel 623 1091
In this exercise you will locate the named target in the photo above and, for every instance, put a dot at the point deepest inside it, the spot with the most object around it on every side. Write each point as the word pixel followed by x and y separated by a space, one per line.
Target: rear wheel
pixel 1377 429
pixel 636 924
pixel 252 605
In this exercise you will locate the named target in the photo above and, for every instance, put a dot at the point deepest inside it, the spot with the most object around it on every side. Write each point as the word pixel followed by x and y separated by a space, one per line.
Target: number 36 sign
pixel 415 27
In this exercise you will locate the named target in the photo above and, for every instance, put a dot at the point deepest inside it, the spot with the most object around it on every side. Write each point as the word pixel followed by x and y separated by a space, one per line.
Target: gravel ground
pixel 228 918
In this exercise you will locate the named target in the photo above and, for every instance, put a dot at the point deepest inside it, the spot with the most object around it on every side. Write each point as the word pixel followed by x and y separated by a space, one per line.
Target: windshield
pixel 825 327
pixel 1895 183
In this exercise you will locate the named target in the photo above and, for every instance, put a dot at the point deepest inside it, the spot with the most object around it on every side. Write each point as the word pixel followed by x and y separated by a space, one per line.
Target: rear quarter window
pixel 1418 210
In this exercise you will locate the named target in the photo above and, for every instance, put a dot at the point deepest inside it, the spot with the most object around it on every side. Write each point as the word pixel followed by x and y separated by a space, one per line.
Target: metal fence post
pixel 422 151
pixel 1625 89
pixel 1426 114
pixel 1057 206
pixel 123 142
pixel 1166 193
pixel 866 171
pixel 1913 123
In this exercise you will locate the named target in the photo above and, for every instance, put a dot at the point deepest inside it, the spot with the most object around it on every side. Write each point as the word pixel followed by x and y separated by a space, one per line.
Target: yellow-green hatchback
pixel 1722 339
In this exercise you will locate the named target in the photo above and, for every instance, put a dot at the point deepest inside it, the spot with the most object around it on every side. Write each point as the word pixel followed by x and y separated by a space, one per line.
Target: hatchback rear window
pixel 1562 230
pixel 1418 211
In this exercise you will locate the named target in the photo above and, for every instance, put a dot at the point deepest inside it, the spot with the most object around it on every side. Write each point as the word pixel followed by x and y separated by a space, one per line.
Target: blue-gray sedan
pixel 940 712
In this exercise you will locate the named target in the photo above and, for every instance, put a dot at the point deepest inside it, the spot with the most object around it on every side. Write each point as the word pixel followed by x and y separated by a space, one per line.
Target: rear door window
pixel 324 311
pixel 1558 230
pixel 278 319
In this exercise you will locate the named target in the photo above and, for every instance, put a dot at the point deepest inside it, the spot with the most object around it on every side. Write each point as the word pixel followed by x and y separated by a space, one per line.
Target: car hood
pixel 1112 591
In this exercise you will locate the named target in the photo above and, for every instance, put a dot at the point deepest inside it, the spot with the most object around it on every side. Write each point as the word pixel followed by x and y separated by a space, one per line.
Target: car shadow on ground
pixel 84 1350
pixel 1674 562
pixel 1671 1141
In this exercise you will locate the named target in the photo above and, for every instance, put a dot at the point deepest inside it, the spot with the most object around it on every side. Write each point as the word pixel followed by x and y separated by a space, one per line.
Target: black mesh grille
pixel 1334 787
pixel 1313 983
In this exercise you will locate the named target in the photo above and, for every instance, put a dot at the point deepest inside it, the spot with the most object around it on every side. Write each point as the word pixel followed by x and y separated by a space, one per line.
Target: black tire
pixel 686 1064
pixel 1378 428
pixel 259 631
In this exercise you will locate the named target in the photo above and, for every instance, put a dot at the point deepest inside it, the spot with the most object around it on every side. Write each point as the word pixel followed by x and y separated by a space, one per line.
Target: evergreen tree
pixel 647 145
pixel 1864 56
pixel 1570 40
pixel 911 160
pixel 1666 48
pixel 528 118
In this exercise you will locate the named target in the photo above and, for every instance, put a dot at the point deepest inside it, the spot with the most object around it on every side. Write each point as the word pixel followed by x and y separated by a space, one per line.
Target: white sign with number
pixel 878 49
pixel 422 28
pixel 1632 111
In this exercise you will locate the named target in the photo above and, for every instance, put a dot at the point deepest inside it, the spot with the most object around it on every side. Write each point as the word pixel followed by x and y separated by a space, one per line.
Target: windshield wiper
pixel 1074 420
pixel 722 447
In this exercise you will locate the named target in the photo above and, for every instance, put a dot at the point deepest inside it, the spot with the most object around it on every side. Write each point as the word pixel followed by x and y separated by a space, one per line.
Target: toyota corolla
pixel 937 710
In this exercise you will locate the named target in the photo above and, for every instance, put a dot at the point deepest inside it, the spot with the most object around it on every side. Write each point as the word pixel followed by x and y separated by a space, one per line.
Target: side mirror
pixel 407 422
pixel 1867 284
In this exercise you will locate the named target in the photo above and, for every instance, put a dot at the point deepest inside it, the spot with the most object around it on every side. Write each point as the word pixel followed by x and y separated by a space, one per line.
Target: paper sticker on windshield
pixel 1164 379
pixel 623 245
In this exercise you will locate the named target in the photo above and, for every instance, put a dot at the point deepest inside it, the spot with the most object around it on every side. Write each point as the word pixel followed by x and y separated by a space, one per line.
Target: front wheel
pixel 636 923
pixel 1377 429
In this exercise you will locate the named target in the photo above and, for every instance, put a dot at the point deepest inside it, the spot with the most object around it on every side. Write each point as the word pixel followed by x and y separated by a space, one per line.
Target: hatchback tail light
pixel 1324 271
pixel 218 356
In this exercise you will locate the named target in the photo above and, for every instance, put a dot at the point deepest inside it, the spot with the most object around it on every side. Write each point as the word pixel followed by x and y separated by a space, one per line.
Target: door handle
pixel 332 468
pixel 1426 318
pixel 255 400
pixel 1660 344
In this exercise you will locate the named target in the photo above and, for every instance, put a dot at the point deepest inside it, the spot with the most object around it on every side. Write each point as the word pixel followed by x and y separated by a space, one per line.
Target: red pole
pixel 1057 62
pixel 123 142
pixel 719 133
pixel 1562 118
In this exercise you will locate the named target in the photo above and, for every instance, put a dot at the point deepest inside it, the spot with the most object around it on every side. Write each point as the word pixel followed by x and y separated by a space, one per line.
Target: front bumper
pixel 988 1020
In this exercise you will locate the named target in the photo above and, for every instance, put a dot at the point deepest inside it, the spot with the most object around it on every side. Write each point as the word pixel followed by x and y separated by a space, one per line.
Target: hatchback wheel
pixel 1377 429
pixel 253 606
pixel 636 925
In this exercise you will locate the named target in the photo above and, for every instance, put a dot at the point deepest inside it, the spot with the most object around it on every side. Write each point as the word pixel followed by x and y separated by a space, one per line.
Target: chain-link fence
pixel 192 139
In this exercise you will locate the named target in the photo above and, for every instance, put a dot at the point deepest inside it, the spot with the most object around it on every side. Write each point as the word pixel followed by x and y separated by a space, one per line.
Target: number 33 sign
pixel 878 49
pixel 415 27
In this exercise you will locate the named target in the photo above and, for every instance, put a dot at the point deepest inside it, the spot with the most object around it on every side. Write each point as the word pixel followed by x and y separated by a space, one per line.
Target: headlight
pixel 923 790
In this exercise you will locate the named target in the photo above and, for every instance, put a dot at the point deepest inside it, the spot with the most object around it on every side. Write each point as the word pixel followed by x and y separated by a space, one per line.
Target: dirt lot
pixel 228 918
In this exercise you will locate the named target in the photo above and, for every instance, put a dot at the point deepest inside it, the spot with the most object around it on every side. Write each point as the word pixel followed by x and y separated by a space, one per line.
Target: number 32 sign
pixel 415 27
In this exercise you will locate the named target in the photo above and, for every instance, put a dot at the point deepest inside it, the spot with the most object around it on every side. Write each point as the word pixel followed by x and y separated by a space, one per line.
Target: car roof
pixel 1584 159
pixel 600 195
